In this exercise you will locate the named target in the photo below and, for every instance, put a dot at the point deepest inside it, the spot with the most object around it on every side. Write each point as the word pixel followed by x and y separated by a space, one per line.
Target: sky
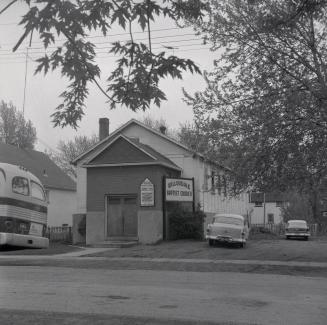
pixel 42 92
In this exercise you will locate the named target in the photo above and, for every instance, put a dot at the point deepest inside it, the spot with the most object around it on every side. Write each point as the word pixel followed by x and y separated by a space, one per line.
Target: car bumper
pixel 226 239
pixel 294 234
pixel 23 240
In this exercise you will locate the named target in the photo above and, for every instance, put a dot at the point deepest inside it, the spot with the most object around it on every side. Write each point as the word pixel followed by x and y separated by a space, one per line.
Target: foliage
pixel 134 82
pixel 264 106
pixel 69 150
pixel 186 224
pixel 298 207
pixel 14 129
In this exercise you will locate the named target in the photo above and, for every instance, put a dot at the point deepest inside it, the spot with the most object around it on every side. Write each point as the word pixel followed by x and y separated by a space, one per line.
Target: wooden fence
pixel 279 229
pixel 60 234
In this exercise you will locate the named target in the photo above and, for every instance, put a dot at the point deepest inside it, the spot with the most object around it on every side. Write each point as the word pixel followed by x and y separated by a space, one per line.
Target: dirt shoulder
pixel 314 250
pixel 54 249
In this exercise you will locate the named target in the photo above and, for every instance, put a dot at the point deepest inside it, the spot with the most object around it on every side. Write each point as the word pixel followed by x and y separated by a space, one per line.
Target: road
pixel 240 298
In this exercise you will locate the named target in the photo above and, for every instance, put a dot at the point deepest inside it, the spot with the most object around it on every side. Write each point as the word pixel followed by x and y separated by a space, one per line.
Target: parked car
pixel 297 229
pixel 228 228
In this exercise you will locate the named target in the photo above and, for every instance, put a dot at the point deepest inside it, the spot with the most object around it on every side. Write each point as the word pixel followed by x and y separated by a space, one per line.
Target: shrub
pixel 186 224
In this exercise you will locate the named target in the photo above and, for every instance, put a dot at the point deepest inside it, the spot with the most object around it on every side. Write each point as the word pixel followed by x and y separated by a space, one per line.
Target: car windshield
pixel 228 220
pixel 297 224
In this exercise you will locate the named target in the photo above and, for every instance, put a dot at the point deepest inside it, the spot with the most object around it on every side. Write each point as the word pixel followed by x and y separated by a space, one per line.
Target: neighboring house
pixel 266 208
pixel 60 188
pixel 111 174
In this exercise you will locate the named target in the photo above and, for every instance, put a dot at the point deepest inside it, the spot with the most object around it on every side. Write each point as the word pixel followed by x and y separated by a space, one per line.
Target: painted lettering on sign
pixel 179 189
pixel 147 193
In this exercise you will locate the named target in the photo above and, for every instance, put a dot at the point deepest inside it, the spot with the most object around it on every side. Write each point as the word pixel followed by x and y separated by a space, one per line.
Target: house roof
pixel 101 144
pixel 128 152
pixel 39 164
pixel 269 197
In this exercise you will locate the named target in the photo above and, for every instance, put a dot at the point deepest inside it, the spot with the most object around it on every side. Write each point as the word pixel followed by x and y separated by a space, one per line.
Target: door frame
pixel 125 195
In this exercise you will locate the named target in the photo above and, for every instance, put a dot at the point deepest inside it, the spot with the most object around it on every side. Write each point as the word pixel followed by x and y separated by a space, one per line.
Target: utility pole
pixel 264 208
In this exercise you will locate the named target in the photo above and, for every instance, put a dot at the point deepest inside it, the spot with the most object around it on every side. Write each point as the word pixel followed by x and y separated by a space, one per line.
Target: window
pixel 20 185
pixel 279 203
pixel 37 191
pixel 270 218
pixel 258 204
pixel 213 185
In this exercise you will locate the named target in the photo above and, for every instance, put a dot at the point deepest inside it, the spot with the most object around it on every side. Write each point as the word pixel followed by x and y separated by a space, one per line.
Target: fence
pixel 60 234
pixel 279 229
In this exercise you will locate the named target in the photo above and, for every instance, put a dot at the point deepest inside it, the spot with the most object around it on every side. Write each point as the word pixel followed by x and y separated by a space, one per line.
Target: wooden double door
pixel 122 216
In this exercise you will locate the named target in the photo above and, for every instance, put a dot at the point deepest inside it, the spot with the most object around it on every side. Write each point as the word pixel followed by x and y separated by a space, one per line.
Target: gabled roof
pixel 143 154
pixel 100 144
pixel 38 164
pixel 269 197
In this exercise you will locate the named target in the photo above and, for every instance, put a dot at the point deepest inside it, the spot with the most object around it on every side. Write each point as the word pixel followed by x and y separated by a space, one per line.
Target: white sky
pixel 42 91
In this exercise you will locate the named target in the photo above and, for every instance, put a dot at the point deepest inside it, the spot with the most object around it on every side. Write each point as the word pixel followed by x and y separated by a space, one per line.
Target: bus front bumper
pixel 23 240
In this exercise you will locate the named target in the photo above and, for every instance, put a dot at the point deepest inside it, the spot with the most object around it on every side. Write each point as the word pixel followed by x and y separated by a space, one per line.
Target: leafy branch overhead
pixel 265 105
pixel 134 83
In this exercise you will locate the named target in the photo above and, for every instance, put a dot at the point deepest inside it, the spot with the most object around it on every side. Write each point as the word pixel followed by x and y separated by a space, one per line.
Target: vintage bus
pixel 23 208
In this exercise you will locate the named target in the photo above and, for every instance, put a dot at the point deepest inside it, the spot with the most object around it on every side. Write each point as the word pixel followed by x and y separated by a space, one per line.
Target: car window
pixel 20 185
pixel 297 224
pixel 37 191
pixel 228 220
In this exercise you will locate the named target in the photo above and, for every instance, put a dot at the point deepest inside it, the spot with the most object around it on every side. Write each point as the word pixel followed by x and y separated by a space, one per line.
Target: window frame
pixel 28 186
pixel 43 192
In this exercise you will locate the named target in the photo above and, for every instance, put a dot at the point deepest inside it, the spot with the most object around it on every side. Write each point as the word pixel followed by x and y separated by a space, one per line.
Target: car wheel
pixel 211 242
pixel 306 238
pixel 287 237
pixel 243 244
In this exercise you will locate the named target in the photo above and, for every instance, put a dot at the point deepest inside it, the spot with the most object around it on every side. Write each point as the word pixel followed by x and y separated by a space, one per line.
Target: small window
pixel 37 191
pixel 20 185
pixel 213 185
pixel 258 204
pixel 279 203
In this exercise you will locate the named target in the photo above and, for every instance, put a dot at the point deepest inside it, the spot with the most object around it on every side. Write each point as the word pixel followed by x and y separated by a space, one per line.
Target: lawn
pixel 261 249
pixel 54 248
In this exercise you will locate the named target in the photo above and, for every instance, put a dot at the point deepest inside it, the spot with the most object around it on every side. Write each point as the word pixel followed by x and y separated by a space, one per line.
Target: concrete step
pixel 114 244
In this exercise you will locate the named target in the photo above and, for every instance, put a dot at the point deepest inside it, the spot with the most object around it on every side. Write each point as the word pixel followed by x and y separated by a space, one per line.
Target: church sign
pixel 147 193
pixel 179 189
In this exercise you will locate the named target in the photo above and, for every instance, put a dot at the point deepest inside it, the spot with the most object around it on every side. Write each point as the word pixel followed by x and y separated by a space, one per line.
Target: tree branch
pixel 7 6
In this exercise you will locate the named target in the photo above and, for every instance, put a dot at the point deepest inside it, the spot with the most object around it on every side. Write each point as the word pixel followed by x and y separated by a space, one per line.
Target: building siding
pixel 62 205
pixel 121 151
pixel 103 181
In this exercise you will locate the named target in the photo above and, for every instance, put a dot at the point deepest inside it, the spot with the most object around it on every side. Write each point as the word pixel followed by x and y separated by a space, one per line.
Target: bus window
pixel 37 191
pixel 20 185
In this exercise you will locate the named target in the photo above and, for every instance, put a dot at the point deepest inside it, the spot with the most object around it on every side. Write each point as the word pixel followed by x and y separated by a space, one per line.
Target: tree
pixel 69 150
pixel 135 81
pixel 14 129
pixel 265 101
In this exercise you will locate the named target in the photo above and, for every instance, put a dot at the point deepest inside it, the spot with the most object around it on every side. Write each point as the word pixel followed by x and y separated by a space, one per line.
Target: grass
pixel 54 248
pixel 314 250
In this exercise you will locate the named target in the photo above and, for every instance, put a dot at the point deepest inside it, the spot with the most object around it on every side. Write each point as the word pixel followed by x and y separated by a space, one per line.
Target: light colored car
pixel 297 229
pixel 228 228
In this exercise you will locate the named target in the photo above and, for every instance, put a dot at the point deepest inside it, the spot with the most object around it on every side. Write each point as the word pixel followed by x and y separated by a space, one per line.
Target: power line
pixel 111 42
pixel 113 35
pixel 18 61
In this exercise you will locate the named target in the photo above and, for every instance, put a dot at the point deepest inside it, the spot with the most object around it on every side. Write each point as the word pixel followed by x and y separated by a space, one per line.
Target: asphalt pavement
pixel 237 298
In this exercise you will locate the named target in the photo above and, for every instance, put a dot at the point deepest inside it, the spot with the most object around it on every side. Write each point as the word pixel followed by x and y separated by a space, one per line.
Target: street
pixel 239 298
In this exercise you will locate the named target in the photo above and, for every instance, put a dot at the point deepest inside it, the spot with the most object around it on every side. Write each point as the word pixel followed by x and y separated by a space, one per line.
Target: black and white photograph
pixel 163 162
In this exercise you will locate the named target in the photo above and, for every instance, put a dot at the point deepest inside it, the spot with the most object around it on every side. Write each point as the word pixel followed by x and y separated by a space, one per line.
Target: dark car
pixel 297 229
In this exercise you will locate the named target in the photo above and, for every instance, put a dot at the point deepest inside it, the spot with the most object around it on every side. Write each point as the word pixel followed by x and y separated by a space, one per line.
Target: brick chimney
pixel 103 128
